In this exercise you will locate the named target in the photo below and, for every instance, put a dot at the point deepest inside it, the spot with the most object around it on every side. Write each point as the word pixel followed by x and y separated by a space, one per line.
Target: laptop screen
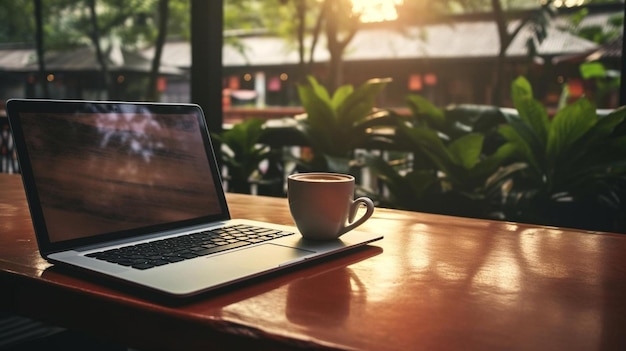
pixel 101 172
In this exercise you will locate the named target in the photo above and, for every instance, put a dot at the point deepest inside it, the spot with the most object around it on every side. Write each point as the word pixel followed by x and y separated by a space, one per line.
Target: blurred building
pixel 447 62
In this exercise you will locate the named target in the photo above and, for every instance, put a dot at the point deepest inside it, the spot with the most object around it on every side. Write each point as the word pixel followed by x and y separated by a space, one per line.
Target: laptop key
pixel 176 249
pixel 143 265
pixel 158 262
pixel 188 254
pixel 221 248
pixel 125 262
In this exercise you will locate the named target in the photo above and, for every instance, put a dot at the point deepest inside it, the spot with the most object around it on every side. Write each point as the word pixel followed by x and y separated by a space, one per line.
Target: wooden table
pixel 433 283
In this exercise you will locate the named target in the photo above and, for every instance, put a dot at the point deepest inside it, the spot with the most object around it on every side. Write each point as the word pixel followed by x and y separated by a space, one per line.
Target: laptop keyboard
pixel 161 252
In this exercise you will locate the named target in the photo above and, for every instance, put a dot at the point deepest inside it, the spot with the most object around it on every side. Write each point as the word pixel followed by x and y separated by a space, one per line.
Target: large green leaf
pixel 422 108
pixel 317 104
pixel 466 150
pixel 521 90
pixel 606 125
pixel 360 103
pixel 591 70
pixel 530 110
pixel 569 124
pixel 243 152
pixel 595 146
pixel 243 136
pixel 429 143
pixel 319 89
pixel 520 143
pixel 340 95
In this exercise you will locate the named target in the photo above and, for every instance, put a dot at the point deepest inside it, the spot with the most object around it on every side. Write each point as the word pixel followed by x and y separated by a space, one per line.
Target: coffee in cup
pixel 323 206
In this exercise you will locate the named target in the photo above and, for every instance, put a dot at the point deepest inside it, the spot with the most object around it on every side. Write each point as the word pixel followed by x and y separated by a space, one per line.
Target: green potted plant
pixel 522 165
pixel 334 126
pixel 573 166
pixel 242 153
pixel 454 152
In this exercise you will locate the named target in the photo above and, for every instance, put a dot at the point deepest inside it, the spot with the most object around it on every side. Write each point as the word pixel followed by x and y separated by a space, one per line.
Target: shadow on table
pixel 19 333
pixel 225 295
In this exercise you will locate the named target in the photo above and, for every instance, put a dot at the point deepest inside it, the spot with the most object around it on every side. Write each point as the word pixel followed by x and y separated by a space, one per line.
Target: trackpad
pixel 264 256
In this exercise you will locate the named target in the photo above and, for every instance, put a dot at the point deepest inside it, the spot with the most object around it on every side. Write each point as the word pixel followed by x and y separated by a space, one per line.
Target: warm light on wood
pixel 433 283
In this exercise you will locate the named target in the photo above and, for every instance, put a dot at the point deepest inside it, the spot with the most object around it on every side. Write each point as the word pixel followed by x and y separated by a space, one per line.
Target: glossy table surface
pixel 433 283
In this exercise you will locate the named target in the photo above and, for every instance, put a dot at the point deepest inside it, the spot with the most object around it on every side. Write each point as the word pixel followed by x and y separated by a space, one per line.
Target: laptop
pixel 132 191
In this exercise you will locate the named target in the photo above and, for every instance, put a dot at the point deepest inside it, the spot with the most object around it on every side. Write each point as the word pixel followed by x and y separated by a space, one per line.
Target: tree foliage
pixel 15 29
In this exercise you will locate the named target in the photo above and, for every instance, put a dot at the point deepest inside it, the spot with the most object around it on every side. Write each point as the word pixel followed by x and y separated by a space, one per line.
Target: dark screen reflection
pixel 105 172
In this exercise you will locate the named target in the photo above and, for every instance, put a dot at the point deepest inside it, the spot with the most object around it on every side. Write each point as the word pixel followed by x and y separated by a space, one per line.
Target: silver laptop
pixel 133 191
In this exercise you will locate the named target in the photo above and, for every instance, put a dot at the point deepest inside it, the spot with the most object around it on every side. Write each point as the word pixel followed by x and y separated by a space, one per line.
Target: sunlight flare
pixel 376 10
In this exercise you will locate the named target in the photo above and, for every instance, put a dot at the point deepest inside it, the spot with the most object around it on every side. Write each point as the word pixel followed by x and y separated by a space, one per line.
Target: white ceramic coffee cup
pixel 323 206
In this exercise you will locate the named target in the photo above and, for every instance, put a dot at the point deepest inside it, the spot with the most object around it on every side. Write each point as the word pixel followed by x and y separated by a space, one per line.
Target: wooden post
pixel 206 59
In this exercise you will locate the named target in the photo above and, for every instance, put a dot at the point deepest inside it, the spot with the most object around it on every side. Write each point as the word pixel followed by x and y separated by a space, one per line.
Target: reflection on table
pixel 433 283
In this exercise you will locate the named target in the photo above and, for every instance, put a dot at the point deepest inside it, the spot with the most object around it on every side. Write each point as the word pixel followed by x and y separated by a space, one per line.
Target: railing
pixel 233 115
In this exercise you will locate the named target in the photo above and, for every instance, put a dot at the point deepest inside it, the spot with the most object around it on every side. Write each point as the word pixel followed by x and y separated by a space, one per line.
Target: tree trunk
pixel 315 37
pixel 40 52
pixel 301 15
pixel 206 62
pixel 505 40
pixel 153 94
pixel 95 39
pixel 334 47
pixel 336 43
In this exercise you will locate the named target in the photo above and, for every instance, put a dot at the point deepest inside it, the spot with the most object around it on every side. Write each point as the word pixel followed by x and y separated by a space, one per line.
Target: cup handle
pixel 369 205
